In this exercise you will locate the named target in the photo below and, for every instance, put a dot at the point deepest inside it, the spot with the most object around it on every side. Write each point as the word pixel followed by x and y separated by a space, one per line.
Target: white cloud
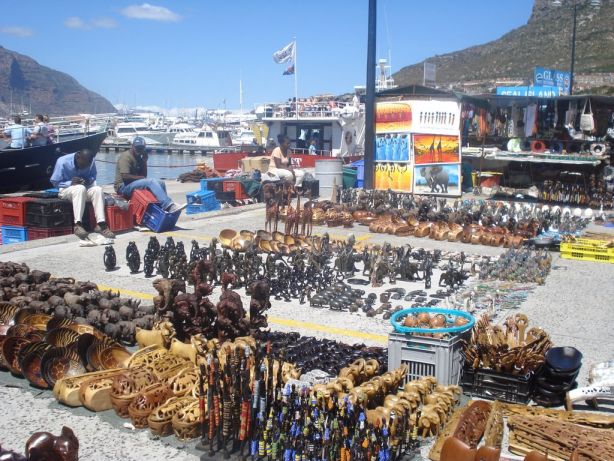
pixel 152 12
pixel 17 31
pixel 104 23
pixel 75 22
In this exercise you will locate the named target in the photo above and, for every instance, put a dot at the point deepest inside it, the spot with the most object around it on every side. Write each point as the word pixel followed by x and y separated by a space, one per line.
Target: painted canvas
pixel 437 180
pixel 430 148
pixel 395 176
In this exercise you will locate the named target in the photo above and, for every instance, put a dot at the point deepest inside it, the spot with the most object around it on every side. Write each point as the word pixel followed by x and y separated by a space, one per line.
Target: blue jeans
pixel 155 186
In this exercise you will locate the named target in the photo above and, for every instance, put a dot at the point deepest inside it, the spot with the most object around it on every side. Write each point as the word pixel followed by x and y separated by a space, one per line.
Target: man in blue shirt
pixel 39 135
pixel 18 133
pixel 75 176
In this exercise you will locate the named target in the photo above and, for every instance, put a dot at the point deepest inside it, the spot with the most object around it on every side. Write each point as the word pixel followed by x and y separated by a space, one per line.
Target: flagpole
pixel 295 81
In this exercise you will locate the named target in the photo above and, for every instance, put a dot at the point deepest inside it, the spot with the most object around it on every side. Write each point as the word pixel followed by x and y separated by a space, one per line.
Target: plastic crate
pixel 159 220
pixel 349 177
pixel 140 200
pixel 203 208
pixel 360 169
pixel 427 356
pixel 13 210
pixel 200 197
pixel 236 187
pixel 588 250
pixel 360 183
pixel 225 196
pixel 42 233
pixel 492 385
pixel 118 219
pixel 215 184
pixel 49 213
pixel 14 234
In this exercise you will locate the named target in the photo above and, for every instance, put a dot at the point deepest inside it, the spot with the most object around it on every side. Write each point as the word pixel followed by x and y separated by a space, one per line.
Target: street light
pixel 596 3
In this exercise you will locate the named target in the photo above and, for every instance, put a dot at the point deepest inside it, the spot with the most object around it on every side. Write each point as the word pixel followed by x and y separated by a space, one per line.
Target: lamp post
pixel 573 36
pixel 370 99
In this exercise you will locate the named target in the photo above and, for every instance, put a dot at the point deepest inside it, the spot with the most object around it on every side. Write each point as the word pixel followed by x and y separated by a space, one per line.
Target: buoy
pixel 538 146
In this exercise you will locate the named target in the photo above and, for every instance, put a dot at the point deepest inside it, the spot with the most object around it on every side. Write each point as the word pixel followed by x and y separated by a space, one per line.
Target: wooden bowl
pixel 264 235
pixel 226 236
pixel 101 356
pixel 10 351
pixel 20 330
pixel 7 313
pixel 82 329
pixel 61 337
pixel 60 362
pixel 35 319
pixel 30 357
pixel 247 235
pixel 279 236
pixel 58 322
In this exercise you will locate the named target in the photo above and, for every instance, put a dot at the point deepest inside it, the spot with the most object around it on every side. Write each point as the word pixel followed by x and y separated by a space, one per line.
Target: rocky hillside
pixel 43 89
pixel 544 41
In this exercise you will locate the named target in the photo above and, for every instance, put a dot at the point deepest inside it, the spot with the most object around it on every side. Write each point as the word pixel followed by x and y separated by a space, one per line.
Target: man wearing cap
pixel 75 176
pixel 131 175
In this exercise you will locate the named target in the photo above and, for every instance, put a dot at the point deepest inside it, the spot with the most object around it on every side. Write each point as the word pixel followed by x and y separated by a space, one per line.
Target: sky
pixel 189 53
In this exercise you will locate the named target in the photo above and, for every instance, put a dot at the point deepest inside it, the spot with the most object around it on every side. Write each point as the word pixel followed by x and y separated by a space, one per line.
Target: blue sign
pixel 552 77
pixel 535 91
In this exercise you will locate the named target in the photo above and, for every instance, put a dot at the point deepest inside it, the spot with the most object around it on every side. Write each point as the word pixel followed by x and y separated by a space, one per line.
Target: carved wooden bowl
pixel 186 422
pixel 167 366
pixel 61 337
pixel 30 357
pixel 20 330
pixel 126 386
pixel 264 235
pixel 101 356
pixel 60 362
pixel 3 364
pixel 147 401
pixel 34 319
pixel 226 236
pixel 279 236
pixel 160 421
pixel 10 350
pixel 247 235
pixel 95 393
pixel 58 322
pixel 146 356
pixel 183 382
pixel 82 329
pixel 7 312
pixel 66 390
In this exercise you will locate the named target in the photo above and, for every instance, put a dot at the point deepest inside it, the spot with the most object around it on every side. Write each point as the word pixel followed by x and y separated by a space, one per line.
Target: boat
pixel 129 130
pixel 206 137
pixel 31 167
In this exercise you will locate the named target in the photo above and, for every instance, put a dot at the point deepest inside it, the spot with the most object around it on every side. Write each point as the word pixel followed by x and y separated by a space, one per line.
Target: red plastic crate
pixel 139 201
pixel 237 188
pixel 36 233
pixel 118 219
pixel 13 211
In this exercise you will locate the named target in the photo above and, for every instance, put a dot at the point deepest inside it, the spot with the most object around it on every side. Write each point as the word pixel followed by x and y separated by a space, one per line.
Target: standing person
pixel 50 130
pixel 39 136
pixel 131 175
pixel 280 163
pixel 75 176
pixel 313 147
pixel 17 133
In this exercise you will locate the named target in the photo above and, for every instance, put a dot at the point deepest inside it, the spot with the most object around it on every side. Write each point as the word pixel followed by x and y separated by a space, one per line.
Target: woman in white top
pixel 281 165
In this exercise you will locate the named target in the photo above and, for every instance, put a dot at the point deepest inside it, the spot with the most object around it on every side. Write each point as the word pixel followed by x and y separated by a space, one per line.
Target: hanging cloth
pixel 530 118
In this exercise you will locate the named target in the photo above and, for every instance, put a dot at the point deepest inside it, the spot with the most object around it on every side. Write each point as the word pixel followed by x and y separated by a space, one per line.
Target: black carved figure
pixel 109 258
pixel 149 261
pixel 163 267
pixel 133 257
pixel 154 246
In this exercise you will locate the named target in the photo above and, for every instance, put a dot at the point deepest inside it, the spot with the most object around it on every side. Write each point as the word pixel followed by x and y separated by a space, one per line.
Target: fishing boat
pixel 31 167
pixel 206 137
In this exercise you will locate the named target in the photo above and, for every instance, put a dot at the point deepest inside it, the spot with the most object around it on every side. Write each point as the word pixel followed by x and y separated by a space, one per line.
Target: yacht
pixel 127 131
pixel 206 137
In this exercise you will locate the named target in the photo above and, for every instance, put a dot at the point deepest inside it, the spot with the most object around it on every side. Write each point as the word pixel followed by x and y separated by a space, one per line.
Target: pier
pixel 159 149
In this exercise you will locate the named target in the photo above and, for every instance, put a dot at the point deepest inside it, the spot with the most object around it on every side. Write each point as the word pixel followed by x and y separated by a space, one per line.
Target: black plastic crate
pixel 225 196
pixel 493 385
pixel 49 206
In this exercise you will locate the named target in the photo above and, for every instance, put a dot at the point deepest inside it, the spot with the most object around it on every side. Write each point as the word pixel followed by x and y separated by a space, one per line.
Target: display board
pixel 418 147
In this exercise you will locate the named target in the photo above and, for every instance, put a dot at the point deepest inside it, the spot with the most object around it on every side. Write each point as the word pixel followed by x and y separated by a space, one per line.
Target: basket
pixel 588 250
pixel 492 385
pixel 118 219
pixel 236 187
pixel 158 220
pixel 35 233
pixel 14 234
pixel 13 210
pixel 139 201
pixel 426 356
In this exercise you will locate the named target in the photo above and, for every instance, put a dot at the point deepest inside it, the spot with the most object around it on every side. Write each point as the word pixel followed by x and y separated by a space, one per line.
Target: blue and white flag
pixel 286 54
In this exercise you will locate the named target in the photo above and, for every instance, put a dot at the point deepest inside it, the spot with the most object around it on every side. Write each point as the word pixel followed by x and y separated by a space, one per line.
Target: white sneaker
pixel 175 207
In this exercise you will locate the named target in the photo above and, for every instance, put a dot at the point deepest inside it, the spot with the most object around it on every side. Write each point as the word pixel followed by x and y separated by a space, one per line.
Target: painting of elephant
pixel 437 179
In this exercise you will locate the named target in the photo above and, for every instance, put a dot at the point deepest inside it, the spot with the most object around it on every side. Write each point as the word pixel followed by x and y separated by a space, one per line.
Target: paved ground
pixel 574 306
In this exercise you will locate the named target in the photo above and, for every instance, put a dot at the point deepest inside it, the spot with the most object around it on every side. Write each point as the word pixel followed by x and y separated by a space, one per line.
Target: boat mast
pixel 295 81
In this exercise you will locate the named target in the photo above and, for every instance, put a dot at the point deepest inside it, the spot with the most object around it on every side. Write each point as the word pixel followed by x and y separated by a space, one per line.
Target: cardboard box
pixel 248 164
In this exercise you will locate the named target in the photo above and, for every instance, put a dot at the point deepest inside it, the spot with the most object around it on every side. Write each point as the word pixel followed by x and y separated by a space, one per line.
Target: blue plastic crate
pixel 360 183
pixel 360 170
pixel 200 197
pixel 203 208
pixel 159 220
pixel 14 234
pixel 211 183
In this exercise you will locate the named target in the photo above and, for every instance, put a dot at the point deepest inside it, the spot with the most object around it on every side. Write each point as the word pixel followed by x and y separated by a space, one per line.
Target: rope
pixel 157 166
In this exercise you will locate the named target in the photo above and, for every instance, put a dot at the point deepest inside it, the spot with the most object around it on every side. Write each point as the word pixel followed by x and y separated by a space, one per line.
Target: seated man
pixel 75 176
pixel 131 174
pixel 18 134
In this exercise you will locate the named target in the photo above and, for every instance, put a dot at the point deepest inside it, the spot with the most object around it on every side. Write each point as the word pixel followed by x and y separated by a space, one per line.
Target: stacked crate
pixel 13 219
pixel 48 218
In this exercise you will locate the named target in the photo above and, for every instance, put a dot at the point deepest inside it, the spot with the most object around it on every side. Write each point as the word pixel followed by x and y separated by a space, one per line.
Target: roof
pixel 498 100
pixel 427 92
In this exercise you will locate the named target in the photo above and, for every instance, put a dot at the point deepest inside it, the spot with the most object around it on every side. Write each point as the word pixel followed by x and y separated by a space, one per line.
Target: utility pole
pixel 370 100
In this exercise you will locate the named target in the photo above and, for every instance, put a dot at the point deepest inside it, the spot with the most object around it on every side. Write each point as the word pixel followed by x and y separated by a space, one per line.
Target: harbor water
pixel 159 166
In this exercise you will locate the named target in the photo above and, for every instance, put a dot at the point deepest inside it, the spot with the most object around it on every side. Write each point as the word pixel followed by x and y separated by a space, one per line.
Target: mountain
pixel 31 85
pixel 544 41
